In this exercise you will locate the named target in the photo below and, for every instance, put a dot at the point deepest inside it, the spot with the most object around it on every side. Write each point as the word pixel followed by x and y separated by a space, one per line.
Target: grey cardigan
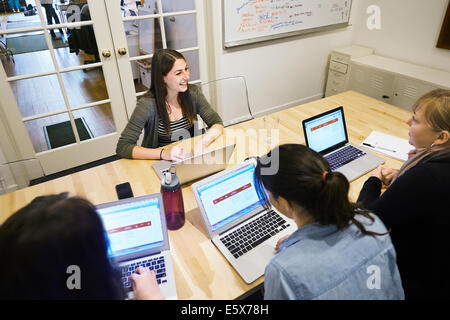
pixel 145 116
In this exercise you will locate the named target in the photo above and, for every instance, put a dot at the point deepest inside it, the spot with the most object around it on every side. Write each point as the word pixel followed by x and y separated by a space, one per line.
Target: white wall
pixel 291 71
pixel 279 73
pixel 409 31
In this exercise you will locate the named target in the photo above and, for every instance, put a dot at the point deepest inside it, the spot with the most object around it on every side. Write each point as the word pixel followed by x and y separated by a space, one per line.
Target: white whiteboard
pixel 249 21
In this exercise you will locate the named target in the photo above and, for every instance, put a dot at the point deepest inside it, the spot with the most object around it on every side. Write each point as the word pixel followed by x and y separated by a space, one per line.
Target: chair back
pixel 18 174
pixel 229 98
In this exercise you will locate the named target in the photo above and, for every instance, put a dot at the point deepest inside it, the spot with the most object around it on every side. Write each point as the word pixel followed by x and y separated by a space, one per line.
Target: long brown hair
pixel 162 62
pixel 300 179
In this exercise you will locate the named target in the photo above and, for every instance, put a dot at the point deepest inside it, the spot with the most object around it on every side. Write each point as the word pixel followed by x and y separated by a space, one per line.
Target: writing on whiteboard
pixel 247 20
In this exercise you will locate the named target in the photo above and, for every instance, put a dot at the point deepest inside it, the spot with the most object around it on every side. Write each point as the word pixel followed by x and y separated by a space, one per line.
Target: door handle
pixel 122 51
pixel 106 53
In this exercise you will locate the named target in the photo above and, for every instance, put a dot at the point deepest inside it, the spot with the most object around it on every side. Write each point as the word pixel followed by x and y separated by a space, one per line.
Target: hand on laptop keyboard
pixel 145 284
pixel 174 154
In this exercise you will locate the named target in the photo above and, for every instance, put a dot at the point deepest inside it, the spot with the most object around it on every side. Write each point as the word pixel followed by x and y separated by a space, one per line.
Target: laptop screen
pixel 229 197
pixel 325 130
pixel 132 227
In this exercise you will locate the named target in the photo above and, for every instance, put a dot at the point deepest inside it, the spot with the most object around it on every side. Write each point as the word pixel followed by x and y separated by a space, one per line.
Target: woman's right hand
pixel 174 154
pixel 145 285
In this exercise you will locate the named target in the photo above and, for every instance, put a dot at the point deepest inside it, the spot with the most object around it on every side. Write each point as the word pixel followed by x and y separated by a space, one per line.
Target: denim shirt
pixel 321 262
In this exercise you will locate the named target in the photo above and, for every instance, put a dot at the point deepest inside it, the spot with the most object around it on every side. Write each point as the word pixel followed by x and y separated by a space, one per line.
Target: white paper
pixel 387 144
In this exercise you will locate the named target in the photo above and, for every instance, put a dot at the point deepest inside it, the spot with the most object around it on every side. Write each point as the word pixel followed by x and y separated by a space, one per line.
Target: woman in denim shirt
pixel 339 251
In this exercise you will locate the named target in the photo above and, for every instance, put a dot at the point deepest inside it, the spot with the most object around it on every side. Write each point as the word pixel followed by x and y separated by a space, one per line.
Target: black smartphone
pixel 124 191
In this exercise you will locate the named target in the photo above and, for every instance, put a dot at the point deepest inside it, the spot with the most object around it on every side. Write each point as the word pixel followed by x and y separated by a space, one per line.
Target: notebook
pixel 242 229
pixel 326 133
pixel 197 167
pixel 387 144
pixel 137 236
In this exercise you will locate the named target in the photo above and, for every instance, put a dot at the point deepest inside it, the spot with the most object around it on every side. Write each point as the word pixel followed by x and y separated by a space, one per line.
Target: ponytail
pixel 335 207
pixel 304 177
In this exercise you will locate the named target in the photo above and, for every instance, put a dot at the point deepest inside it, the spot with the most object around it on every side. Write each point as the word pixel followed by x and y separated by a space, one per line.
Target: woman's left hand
pixel 199 148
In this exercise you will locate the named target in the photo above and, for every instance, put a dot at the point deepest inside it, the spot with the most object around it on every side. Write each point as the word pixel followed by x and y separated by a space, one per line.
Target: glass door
pixel 146 26
pixel 61 98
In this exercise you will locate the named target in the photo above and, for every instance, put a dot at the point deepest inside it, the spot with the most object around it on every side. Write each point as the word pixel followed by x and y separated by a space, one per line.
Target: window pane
pixel 38 95
pixel 30 53
pixel 85 86
pixel 181 31
pixel 50 132
pixel 98 120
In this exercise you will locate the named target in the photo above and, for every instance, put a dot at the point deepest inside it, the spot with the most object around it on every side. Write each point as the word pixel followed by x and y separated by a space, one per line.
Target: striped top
pixel 180 129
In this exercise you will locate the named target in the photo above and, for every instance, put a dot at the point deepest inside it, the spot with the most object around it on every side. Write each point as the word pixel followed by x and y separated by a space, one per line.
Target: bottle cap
pixel 169 182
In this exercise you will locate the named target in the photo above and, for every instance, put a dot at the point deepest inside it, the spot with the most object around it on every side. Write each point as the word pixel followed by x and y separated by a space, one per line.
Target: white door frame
pixel 81 152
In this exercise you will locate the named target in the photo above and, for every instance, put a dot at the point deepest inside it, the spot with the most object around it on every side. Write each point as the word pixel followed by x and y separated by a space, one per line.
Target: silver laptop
pixel 245 231
pixel 197 167
pixel 137 234
pixel 326 133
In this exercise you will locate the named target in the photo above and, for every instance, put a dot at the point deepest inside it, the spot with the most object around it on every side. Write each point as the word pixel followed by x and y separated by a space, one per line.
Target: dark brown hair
pixel 300 179
pixel 40 241
pixel 162 62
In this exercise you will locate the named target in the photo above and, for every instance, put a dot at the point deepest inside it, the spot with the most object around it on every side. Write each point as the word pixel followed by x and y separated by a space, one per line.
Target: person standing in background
pixel 51 14
pixel 14 5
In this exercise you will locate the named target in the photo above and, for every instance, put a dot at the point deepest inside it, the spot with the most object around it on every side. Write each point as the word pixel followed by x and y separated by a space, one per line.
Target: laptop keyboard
pixel 254 233
pixel 156 264
pixel 343 156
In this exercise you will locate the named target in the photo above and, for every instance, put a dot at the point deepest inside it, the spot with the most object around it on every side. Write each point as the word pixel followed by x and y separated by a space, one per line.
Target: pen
pixel 376 147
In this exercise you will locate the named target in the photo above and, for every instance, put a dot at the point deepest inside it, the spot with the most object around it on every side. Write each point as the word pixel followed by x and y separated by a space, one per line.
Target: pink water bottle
pixel 173 200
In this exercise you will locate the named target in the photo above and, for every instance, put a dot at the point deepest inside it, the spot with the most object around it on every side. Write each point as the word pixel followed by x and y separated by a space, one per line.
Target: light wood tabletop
pixel 201 272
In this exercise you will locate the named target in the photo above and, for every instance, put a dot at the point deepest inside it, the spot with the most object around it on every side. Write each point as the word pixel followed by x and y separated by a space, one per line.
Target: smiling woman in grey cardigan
pixel 167 112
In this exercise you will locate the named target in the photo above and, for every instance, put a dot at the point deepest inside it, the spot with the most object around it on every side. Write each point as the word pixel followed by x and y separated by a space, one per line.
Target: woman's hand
pixel 385 174
pixel 145 285
pixel 199 148
pixel 277 247
pixel 173 153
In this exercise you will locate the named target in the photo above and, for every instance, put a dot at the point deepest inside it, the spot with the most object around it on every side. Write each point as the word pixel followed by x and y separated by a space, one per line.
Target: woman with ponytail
pixel 416 200
pixel 339 251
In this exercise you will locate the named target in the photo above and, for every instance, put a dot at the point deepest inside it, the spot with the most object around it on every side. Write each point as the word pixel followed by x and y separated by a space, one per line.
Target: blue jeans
pixel 14 4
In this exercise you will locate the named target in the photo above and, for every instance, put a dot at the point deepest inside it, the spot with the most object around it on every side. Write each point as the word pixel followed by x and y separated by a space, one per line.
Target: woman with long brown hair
pixel 168 112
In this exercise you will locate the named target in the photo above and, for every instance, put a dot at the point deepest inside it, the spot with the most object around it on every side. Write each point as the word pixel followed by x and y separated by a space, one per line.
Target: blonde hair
pixel 437 109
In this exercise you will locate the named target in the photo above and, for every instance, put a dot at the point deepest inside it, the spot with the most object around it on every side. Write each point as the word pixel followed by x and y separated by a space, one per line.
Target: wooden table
pixel 201 272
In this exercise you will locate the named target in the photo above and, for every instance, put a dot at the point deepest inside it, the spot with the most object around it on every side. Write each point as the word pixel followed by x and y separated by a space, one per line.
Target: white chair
pixel 16 175
pixel 229 98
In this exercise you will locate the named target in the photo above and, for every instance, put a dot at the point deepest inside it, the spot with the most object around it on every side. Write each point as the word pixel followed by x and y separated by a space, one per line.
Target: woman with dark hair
pixel 45 243
pixel 167 113
pixel 339 251
pixel 415 203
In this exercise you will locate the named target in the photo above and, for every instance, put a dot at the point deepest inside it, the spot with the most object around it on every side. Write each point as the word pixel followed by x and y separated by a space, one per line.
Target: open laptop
pixel 326 133
pixel 137 234
pixel 243 230
pixel 197 167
